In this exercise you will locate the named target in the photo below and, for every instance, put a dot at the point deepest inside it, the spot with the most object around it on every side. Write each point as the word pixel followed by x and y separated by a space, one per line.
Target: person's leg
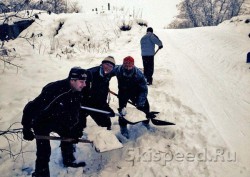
pixel 123 99
pixel 42 156
pixel 148 64
pixel 68 148
pixel 101 120
pixel 123 127
pixel 150 69
pixel 144 109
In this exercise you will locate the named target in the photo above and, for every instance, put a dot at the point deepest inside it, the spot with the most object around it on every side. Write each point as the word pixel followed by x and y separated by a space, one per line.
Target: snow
pixel 201 83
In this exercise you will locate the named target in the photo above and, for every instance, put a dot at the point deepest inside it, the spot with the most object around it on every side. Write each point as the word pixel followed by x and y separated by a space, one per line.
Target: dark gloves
pixel 112 113
pixel 160 47
pixel 150 115
pixel 28 134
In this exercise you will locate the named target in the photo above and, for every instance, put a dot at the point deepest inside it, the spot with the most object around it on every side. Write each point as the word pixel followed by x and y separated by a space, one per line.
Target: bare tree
pixel 197 13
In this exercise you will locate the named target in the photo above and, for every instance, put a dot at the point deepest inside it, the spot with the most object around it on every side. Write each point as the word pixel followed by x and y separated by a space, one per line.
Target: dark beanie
pixel 77 73
pixel 150 29
pixel 110 60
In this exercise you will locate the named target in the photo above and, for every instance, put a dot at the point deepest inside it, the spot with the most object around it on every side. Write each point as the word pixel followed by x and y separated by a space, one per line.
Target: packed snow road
pixel 210 76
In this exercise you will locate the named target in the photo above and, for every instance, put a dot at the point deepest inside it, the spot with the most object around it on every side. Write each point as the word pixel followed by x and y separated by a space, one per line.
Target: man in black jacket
pixel 98 89
pixel 56 109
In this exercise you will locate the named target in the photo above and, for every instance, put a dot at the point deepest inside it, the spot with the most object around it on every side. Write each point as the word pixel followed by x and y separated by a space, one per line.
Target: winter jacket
pixel 132 84
pixel 57 103
pixel 148 42
pixel 98 87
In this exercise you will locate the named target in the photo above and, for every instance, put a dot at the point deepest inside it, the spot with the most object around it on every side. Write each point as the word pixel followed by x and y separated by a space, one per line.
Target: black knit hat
pixel 77 73
pixel 150 29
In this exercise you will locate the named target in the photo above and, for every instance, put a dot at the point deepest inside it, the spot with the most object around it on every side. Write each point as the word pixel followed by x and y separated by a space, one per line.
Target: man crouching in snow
pixel 56 109
pixel 132 86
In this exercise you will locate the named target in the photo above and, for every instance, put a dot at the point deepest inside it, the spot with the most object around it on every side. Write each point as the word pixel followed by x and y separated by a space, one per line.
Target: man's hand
pixel 112 113
pixel 122 111
pixel 28 134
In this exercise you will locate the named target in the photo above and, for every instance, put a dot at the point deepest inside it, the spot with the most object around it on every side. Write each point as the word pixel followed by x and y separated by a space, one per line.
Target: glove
pixel 122 111
pixel 150 115
pixel 28 134
pixel 75 140
pixel 112 113
pixel 160 47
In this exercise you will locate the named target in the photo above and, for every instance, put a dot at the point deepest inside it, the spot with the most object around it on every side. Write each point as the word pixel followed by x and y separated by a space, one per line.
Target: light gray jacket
pixel 148 42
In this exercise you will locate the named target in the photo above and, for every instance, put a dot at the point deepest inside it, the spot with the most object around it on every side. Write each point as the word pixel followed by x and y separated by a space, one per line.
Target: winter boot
pixel 41 172
pixel 124 131
pixel 42 169
pixel 146 125
pixel 68 156
pixel 74 164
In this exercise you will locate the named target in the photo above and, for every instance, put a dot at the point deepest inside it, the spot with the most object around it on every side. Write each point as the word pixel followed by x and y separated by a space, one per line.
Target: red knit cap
pixel 128 61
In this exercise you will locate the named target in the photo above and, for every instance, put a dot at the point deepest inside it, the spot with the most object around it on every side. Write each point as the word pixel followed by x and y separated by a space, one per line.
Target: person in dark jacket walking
pixel 148 42
pixel 98 89
pixel 56 109
pixel 132 86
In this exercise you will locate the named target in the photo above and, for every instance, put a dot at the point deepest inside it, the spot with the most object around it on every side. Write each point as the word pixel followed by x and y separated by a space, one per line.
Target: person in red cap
pixel 132 86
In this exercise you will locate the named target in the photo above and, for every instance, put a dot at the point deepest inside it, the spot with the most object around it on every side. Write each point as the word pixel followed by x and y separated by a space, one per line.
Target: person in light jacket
pixel 148 42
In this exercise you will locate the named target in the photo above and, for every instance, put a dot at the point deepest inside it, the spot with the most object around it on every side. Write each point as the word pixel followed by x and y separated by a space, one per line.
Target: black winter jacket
pixel 98 87
pixel 57 103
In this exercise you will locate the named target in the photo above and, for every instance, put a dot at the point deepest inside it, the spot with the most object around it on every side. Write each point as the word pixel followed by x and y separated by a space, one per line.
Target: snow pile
pixel 200 83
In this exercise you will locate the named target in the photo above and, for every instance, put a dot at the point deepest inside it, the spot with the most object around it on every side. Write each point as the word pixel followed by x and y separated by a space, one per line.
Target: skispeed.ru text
pixel 164 156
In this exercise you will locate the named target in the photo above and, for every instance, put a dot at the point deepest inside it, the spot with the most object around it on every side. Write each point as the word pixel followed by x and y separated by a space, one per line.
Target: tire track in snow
pixel 192 74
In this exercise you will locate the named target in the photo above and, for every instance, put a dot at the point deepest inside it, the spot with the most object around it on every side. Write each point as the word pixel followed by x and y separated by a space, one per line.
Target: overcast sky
pixel 164 10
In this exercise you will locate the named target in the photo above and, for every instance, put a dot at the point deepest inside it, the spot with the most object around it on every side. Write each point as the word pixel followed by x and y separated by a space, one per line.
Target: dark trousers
pixel 148 65
pixel 248 57
pixel 101 119
pixel 123 100
pixel 44 149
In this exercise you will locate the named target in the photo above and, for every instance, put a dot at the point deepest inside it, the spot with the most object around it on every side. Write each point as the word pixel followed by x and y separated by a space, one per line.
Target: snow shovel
pixel 106 112
pixel 62 139
pixel 154 121
pixel 98 144
pixel 156 51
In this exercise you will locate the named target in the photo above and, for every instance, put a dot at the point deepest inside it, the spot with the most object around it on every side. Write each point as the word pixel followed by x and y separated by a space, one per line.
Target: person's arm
pixel 156 41
pixel 143 88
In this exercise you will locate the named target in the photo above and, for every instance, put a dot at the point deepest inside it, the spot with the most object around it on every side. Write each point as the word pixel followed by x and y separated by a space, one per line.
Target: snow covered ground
pixel 201 83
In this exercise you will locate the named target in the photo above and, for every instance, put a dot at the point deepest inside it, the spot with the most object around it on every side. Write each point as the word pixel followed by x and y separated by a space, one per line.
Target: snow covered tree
pixel 195 13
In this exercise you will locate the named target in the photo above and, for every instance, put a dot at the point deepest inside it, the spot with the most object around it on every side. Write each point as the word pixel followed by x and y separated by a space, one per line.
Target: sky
pixel 200 83
pixel 158 13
